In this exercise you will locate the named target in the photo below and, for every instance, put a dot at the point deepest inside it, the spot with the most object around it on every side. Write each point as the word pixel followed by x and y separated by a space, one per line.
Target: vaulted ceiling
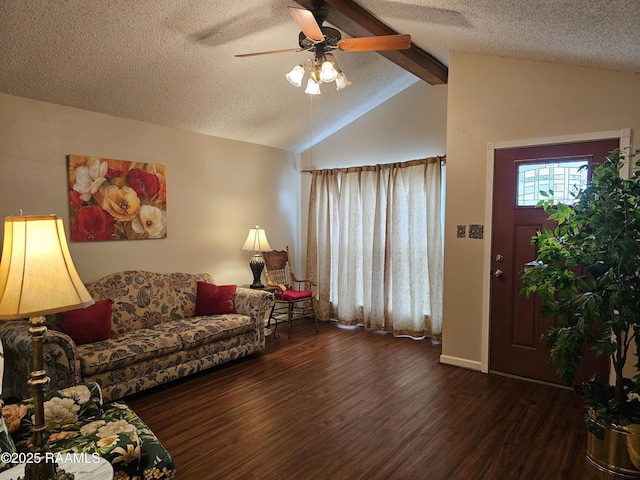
pixel 173 62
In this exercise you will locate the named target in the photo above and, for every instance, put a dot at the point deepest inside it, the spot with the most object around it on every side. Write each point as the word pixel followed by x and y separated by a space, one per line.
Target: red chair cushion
pixel 215 299
pixel 296 294
pixel 88 325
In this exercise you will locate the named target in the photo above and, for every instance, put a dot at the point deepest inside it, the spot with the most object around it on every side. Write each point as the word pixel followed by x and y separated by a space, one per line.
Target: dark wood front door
pixel 516 325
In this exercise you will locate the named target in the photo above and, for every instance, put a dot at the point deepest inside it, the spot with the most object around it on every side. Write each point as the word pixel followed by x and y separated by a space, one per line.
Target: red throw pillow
pixel 215 299
pixel 88 325
pixel 296 294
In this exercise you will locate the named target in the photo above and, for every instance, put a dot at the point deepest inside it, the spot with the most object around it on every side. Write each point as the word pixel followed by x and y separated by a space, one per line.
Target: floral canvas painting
pixel 116 199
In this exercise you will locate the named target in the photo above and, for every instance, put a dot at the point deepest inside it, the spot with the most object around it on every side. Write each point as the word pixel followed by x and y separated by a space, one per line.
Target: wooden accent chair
pixel 292 301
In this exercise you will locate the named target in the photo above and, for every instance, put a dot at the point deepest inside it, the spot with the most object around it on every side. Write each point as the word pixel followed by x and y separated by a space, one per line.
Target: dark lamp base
pixel 257 264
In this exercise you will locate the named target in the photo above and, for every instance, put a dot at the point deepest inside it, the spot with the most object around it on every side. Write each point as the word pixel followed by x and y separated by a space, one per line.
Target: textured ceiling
pixel 172 62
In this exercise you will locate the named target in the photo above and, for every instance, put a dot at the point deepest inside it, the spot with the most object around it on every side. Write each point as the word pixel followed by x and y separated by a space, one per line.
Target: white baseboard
pixel 461 362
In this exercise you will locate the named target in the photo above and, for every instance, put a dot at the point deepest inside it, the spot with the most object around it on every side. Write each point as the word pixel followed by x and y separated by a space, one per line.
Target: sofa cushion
pixel 88 325
pixel 143 299
pixel 155 460
pixel 126 349
pixel 291 295
pixel 87 397
pixel 108 435
pixel 200 330
pixel 215 299
pixel 112 431
pixel 61 408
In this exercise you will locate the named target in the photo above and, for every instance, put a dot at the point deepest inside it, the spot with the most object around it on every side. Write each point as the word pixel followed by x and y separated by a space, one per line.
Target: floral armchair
pixel 79 422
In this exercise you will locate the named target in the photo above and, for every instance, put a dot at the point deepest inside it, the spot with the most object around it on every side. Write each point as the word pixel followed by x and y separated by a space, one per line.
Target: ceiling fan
pixel 322 42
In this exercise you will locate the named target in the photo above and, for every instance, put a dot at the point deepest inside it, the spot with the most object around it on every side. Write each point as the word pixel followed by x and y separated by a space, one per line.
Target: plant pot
pixel 619 452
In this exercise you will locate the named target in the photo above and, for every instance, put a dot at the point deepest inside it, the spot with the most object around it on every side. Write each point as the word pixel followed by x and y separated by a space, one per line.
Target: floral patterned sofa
pixel 143 331
pixel 79 422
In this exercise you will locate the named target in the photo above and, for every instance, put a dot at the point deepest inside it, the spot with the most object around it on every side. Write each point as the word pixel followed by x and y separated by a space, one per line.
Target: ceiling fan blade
pixel 287 50
pixel 381 42
pixel 307 23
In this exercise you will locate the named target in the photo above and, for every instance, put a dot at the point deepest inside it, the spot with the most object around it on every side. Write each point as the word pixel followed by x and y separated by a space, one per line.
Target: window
pixel 375 246
pixel 564 178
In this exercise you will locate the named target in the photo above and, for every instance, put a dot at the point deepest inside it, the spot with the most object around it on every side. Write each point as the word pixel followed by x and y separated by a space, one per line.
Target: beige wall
pixel 500 100
pixel 216 189
pixel 409 126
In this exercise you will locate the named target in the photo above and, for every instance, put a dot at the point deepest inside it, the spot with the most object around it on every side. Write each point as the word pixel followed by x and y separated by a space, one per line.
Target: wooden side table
pixel 98 470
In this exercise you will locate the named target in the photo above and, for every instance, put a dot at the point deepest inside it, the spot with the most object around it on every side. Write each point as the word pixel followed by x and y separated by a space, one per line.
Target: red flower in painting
pixel 75 199
pixel 114 173
pixel 145 184
pixel 162 193
pixel 92 223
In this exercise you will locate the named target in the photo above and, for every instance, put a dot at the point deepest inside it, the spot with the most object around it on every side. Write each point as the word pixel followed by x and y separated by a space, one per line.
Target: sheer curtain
pixel 375 246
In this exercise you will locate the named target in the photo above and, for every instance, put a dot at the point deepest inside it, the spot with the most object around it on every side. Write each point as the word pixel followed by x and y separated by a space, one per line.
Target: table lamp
pixel 256 242
pixel 37 277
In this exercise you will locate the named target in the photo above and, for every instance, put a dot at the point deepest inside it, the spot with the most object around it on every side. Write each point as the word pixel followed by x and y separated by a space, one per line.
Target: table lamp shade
pixel 37 275
pixel 256 241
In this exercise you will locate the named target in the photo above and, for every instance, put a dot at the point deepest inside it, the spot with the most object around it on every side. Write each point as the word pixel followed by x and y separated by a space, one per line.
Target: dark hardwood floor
pixel 353 404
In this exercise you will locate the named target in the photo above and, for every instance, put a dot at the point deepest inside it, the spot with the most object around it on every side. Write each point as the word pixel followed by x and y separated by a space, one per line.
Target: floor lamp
pixel 37 277
pixel 256 242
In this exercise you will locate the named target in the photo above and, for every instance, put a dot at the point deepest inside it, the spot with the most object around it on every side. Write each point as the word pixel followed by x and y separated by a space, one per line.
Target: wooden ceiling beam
pixel 355 21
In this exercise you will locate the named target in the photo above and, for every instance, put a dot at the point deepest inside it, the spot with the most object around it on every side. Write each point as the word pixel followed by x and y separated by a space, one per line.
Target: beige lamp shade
pixel 37 275
pixel 256 241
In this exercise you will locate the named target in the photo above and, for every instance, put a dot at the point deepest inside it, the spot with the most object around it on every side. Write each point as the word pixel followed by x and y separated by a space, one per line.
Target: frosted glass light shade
pixel 256 241
pixel 295 75
pixel 341 81
pixel 37 275
pixel 313 88
pixel 328 72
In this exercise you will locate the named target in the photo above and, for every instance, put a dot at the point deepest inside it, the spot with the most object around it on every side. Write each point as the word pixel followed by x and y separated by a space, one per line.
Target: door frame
pixel 624 135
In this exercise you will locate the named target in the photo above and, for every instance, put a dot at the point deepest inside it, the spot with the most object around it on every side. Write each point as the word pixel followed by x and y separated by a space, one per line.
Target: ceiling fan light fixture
pixel 295 75
pixel 315 72
pixel 313 87
pixel 322 41
pixel 341 81
pixel 328 73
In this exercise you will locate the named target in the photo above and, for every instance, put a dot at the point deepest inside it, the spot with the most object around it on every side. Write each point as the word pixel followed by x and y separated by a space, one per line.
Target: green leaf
pixel 586 273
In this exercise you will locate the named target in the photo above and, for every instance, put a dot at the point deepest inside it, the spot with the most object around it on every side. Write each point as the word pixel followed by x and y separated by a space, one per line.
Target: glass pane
pixel 566 179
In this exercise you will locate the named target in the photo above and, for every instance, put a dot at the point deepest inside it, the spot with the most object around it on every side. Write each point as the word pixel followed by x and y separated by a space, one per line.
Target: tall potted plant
pixel 587 273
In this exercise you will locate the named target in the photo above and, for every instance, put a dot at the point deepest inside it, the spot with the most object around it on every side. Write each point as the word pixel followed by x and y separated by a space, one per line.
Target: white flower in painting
pixel 150 220
pixel 60 411
pixel 81 393
pixel 90 177
pixel 113 428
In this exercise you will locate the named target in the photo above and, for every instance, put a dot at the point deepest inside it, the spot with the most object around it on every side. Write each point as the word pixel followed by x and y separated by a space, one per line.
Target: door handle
pixel 498 273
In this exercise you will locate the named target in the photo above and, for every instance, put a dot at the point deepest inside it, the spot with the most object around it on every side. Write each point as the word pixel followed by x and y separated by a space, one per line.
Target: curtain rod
pixel 410 163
